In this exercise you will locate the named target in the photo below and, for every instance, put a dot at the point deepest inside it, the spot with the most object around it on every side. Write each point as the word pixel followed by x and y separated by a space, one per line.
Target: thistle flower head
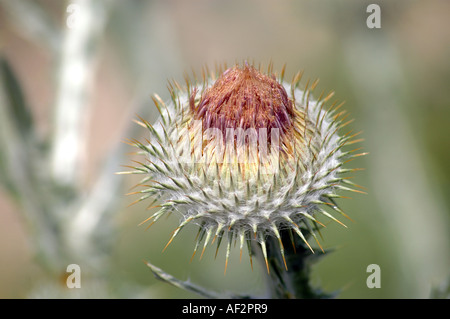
pixel 245 155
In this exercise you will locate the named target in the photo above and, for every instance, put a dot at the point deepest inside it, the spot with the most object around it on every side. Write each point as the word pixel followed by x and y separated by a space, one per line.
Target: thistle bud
pixel 246 156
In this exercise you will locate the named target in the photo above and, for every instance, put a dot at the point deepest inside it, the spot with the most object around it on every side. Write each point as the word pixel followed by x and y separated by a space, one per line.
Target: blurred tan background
pixel 395 81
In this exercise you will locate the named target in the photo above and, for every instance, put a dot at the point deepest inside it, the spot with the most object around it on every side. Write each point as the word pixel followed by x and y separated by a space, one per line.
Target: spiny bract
pixel 245 155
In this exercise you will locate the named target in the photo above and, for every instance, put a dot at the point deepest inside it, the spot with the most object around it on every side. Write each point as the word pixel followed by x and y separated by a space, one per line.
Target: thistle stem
pixel 294 283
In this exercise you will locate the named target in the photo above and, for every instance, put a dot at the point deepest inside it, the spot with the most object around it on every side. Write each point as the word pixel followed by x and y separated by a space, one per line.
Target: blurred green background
pixel 395 81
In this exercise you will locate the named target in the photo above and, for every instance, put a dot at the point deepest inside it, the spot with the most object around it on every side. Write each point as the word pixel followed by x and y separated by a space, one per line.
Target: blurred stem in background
pixel 46 177
pixel 84 27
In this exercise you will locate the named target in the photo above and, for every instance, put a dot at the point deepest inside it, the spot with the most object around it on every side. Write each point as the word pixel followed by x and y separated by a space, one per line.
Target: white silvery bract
pixel 245 156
